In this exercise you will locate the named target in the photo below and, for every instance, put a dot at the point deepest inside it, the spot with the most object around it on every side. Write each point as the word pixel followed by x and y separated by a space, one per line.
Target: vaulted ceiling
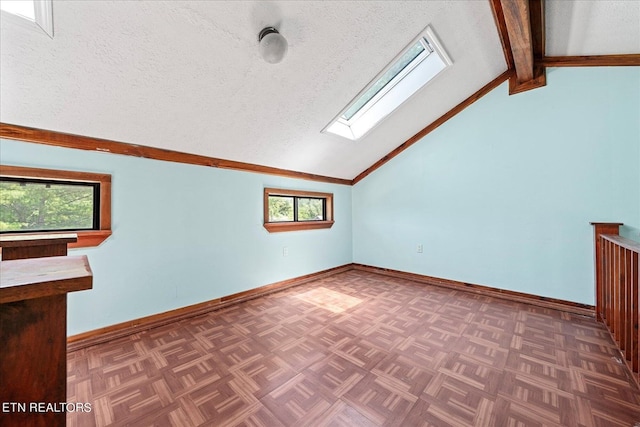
pixel 187 75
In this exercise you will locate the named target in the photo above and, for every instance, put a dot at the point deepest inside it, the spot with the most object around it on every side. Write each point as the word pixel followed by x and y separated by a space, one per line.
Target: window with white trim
pixel 422 60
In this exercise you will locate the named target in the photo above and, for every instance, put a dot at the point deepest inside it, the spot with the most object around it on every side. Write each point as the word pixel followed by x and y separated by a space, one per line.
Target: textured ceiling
pixel 592 27
pixel 187 76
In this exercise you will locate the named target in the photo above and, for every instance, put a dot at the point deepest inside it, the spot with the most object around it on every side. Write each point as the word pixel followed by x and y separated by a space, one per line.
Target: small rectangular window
pixel 29 205
pixel 48 201
pixel 288 210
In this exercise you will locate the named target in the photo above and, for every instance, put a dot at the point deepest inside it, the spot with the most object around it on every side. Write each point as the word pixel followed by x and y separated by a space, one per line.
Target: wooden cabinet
pixel 35 277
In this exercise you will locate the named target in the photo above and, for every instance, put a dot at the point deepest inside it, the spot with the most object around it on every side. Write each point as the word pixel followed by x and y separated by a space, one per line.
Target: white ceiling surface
pixel 187 76
pixel 600 27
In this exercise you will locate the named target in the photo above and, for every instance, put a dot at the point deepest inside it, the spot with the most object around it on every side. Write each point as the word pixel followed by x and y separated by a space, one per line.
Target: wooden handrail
pixel 618 290
pixel 632 245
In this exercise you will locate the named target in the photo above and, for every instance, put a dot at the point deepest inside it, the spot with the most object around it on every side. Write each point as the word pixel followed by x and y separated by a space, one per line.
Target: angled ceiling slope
pixel 188 77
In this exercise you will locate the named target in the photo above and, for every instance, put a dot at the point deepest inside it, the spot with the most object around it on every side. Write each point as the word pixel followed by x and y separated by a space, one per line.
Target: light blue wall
pixel 185 234
pixel 502 194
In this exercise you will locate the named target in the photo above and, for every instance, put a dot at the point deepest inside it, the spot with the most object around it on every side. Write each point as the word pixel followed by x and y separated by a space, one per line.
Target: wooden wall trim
pixel 545 302
pixel 435 124
pixel 59 139
pixel 108 333
pixel 629 60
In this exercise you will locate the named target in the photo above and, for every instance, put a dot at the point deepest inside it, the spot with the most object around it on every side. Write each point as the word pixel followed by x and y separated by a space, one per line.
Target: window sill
pixel 90 239
pixel 86 239
pixel 276 227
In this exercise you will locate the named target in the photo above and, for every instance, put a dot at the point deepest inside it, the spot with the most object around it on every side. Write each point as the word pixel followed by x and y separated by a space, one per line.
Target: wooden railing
pixel 617 289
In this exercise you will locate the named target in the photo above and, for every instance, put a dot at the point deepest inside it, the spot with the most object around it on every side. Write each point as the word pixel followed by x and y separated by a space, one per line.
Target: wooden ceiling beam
pixel 498 16
pixel 516 16
pixel 520 25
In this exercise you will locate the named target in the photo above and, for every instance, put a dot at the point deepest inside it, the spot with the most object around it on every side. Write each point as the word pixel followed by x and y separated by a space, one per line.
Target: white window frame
pixel 403 86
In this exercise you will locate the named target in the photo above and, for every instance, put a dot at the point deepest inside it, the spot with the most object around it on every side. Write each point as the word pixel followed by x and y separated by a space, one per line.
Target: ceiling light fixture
pixel 273 46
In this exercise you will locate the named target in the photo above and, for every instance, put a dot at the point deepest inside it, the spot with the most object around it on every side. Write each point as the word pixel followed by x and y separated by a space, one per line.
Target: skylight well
pixel 34 14
pixel 417 64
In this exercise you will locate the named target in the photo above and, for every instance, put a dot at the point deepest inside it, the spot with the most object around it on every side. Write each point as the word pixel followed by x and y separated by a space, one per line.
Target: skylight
pixel 416 65
pixel 34 14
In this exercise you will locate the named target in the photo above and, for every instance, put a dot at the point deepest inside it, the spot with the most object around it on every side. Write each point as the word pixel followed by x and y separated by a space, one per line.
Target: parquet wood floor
pixel 389 353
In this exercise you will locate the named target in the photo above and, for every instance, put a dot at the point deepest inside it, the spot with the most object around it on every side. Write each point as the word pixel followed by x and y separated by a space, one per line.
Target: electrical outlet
pixel 285 251
pixel 419 249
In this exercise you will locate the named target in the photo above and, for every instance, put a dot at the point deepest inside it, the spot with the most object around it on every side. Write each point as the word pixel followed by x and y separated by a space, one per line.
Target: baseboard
pixel 108 333
pixel 552 303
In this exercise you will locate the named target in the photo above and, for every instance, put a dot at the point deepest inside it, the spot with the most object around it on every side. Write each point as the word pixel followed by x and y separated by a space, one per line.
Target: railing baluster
pixel 628 314
pixel 602 277
pixel 609 286
pixel 633 297
pixel 617 290
pixel 617 298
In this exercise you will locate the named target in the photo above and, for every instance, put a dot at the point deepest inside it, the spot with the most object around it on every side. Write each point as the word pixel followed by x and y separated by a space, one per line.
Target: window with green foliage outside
pixel 289 210
pixel 31 205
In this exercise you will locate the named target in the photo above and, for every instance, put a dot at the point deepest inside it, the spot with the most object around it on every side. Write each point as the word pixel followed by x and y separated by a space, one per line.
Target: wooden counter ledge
pixel 39 277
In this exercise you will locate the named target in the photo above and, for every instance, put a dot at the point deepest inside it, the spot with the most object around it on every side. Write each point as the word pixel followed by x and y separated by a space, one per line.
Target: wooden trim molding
pixel 274 227
pixel 629 60
pixel 435 124
pixel 97 336
pixel 86 238
pixel 59 139
pixel 552 303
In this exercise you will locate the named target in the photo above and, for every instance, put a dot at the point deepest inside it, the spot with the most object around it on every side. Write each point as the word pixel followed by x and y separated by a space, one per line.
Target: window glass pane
pixel 310 209
pixel 280 208
pixel 32 205
pixel 391 73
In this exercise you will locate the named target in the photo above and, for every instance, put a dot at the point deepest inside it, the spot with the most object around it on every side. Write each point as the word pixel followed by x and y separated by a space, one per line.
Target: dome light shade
pixel 273 46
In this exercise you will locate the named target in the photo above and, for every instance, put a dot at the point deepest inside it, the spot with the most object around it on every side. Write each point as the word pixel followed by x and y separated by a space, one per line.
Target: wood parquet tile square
pixel 381 352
